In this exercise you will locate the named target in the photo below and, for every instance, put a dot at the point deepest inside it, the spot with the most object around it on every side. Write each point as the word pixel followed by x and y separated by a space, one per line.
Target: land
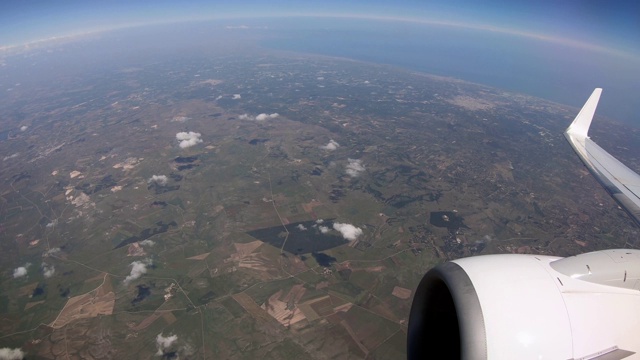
pixel 449 169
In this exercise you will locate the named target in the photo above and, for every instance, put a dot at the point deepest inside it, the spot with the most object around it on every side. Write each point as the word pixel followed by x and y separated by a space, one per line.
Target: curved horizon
pixel 133 16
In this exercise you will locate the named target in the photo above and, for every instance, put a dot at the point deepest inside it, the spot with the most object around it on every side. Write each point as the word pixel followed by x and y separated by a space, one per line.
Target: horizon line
pixel 487 27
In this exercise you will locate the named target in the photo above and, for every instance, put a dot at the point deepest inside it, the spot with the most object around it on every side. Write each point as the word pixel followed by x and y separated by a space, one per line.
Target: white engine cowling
pixel 529 307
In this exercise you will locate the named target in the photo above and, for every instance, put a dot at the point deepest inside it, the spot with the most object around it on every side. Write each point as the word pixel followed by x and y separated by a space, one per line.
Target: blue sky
pixel 614 25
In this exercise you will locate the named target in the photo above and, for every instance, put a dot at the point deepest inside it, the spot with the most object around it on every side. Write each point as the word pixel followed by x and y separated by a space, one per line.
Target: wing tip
pixel 582 122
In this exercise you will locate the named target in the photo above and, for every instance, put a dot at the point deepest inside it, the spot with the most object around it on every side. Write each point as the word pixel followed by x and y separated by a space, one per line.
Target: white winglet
pixel 622 183
pixel 580 126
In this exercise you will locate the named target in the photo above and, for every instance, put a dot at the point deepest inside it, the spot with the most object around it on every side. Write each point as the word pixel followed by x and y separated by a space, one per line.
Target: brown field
pixel 343 307
pixel 27 289
pixel 284 309
pixel 253 309
pixel 199 257
pixel 99 301
pixel 323 307
pixel 504 170
pixel 135 250
pixel 253 261
pixel 169 318
pixel 32 304
pixel 281 311
pixel 296 265
pixel 373 269
pixel 147 321
pixel 354 336
pixel 308 207
pixel 308 312
pixel 243 250
pixel 401 293
pixel 247 258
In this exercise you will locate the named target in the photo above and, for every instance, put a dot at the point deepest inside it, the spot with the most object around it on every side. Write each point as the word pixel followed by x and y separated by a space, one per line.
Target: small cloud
pixel 231 27
pixel 158 179
pixel 164 343
pixel 485 239
pixel 323 229
pixel 332 145
pixel 20 271
pixel 23 128
pixel 236 96
pixel 48 270
pixel 263 116
pixel 11 354
pixel 319 221
pixel 138 268
pixel 301 227
pixel 244 117
pixel 52 224
pixel 180 119
pixel 354 167
pixel 188 139
pixel 52 251
pixel 348 231
pixel 147 242
pixel 12 156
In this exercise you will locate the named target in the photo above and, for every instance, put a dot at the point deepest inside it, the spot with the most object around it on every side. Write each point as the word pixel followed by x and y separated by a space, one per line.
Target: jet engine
pixel 529 307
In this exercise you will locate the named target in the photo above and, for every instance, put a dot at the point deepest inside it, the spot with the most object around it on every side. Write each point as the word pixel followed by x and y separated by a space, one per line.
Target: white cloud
pixel 48 270
pixel 52 251
pixel 23 128
pixel 244 27
pixel 163 343
pixel 11 354
pixel 147 242
pixel 180 118
pixel 348 231
pixel 319 221
pixel 158 179
pixel 332 145
pixel 323 229
pixel 20 271
pixel 263 116
pixel 301 227
pixel 354 167
pixel 260 117
pixel 138 268
pixel 52 224
pixel 236 96
pixel 12 156
pixel 188 139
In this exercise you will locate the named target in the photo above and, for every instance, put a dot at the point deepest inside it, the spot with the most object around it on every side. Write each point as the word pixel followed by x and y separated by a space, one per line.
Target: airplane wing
pixel 514 306
pixel 622 183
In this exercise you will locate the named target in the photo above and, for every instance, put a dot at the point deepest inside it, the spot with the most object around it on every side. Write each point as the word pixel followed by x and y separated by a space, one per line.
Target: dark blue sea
pixel 544 69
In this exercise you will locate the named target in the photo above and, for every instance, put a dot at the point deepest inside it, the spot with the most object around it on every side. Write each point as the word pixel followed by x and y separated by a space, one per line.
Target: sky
pixel 614 25
pixel 557 50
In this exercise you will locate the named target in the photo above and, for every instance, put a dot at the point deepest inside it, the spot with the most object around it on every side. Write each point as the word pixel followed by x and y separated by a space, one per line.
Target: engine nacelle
pixel 529 307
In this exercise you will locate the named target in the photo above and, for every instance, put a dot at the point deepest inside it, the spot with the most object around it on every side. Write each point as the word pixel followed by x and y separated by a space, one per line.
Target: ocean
pixel 544 69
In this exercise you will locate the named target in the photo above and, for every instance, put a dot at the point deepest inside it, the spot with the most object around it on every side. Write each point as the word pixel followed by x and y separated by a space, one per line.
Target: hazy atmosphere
pixel 554 51
pixel 206 180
